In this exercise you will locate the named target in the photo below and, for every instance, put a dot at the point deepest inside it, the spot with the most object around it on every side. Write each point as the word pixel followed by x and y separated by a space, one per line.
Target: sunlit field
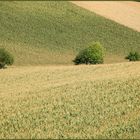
pixel 70 101
pixel 44 95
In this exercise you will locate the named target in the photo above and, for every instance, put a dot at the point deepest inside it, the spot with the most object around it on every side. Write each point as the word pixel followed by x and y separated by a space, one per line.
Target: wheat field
pixel 70 101
pixel 123 12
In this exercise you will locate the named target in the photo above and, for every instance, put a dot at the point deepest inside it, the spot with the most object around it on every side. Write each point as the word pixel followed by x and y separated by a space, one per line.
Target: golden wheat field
pixel 70 101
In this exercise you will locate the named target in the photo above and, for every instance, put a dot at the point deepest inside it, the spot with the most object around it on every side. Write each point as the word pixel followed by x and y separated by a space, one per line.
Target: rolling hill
pixel 83 102
pixel 53 32
pixel 59 100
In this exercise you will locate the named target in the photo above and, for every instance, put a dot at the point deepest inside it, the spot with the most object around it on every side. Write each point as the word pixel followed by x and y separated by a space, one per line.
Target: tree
pixel 133 56
pixel 5 58
pixel 93 54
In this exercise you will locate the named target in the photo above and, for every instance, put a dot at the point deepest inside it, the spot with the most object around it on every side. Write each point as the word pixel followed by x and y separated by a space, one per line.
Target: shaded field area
pixel 39 33
pixel 70 101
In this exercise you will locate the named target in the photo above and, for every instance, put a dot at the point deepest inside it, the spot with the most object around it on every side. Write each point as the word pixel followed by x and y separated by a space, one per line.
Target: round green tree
pixel 93 54
pixel 5 58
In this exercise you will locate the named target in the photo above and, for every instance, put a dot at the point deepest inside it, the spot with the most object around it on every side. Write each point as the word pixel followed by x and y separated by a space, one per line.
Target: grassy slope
pixel 70 102
pixel 52 32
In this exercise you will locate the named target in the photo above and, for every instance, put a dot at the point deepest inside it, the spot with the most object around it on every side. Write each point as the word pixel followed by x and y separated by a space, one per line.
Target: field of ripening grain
pixel 100 101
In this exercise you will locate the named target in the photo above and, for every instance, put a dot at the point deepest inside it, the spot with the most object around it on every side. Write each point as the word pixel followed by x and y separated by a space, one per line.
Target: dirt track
pixel 123 12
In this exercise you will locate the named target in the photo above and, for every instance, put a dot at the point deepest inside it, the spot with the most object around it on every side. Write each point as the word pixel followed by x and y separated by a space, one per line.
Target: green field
pixel 70 101
pixel 53 32
pixel 44 96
